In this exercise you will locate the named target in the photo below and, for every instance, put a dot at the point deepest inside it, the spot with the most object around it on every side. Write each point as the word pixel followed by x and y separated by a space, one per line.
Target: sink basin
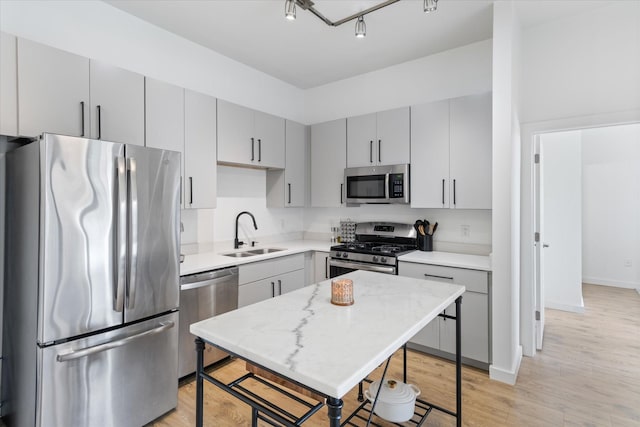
pixel 263 251
pixel 252 252
pixel 238 254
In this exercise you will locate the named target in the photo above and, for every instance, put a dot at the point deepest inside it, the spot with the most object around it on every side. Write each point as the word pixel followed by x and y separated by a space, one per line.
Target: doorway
pixel 533 295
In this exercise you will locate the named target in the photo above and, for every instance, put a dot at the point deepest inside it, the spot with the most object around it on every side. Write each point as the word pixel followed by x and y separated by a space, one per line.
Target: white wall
pixel 611 206
pixel 457 72
pixel 97 30
pixel 584 64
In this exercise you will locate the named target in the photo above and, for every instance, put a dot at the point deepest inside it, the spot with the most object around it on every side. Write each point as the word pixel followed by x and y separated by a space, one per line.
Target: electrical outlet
pixel 627 263
pixel 465 230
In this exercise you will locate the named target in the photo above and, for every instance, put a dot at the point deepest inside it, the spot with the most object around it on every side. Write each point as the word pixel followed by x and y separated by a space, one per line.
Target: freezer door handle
pixel 77 354
pixel 120 235
pixel 132 231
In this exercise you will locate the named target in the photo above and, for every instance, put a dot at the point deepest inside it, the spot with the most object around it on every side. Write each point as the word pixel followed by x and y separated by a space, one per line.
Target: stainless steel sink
pixel 252 252
pixel 263 251
pixel 238 254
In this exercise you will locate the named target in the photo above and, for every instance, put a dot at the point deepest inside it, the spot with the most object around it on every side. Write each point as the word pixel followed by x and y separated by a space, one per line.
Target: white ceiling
pixel 307 53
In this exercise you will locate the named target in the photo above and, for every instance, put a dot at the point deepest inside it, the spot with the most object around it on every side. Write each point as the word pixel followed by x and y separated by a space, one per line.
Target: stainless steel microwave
pixel 377 184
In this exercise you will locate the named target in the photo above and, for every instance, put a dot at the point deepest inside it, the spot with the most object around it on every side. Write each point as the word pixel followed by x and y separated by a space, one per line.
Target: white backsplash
pixel 244 189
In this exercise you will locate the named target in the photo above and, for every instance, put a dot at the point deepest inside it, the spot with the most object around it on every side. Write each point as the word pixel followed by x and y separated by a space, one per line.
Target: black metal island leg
pixel 458 362
pixel 199 383
pixel 335 411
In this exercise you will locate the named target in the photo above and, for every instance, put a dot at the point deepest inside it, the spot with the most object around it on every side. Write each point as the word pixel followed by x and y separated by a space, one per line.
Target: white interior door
pixel 561 221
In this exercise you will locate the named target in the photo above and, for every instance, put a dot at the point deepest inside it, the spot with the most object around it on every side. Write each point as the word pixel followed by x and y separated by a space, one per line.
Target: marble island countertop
pixel 302 336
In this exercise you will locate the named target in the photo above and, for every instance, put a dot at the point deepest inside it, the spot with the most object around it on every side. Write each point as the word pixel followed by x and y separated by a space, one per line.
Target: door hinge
pixel 536 236
pixel 536 158
pixel 537 315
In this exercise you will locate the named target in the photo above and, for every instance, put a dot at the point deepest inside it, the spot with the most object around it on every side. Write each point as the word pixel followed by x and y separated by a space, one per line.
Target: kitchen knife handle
pixel 121 234
pixel 379 150
pixel 252 150
pixel 259 150
pixel 132 231
pixel 289 184
pixel 443 192
pixel 190 190
pixel 99 122
pixel 82 117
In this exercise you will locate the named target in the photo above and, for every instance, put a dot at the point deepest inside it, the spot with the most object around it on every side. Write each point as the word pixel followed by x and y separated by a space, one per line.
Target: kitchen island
pixel 328 349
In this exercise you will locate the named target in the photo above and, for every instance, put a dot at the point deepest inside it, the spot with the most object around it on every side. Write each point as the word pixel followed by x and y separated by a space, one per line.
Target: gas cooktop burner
pixel 387 249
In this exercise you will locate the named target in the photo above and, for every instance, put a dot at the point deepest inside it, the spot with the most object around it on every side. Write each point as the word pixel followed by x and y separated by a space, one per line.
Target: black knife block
pixel 425 243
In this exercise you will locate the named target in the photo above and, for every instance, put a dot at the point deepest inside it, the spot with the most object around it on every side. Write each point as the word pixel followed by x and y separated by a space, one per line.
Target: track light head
pixel 430 5
pixel 361 27
pixel 290 9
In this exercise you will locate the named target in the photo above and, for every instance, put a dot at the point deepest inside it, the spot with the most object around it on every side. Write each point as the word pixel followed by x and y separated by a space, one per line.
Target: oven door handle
pixel 362 266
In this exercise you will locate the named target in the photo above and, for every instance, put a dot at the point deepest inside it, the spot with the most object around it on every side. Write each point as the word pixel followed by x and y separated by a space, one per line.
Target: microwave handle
pixel 386 185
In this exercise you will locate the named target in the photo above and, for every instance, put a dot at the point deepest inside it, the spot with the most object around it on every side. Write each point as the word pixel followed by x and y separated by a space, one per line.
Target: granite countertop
pixel 302 336
pixel 449 259
pixel 213 260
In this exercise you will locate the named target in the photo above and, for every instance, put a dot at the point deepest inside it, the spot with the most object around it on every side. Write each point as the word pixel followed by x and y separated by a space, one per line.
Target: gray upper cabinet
pixel 470 148
pixel 53 91
pixel 117 104
pixel 451 153
pixel 430 155
pixel 381 138
pixel 286 188
pixel 164 120
pixel 328 160
pixel 199 150
pixel 8 86
pixel 248 137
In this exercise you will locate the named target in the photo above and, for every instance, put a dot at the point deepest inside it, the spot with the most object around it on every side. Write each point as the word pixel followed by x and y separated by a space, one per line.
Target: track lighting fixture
pixel 290 10
pixel 430 5
pixel 361 28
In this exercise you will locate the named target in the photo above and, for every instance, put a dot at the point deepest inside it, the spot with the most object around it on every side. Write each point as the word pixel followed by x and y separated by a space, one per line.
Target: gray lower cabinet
pixel 439 336
pixel 270 278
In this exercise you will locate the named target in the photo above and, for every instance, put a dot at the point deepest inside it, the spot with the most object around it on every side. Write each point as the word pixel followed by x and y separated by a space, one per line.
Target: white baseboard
pixel 565 307
pixel 507 376
pixel 610 282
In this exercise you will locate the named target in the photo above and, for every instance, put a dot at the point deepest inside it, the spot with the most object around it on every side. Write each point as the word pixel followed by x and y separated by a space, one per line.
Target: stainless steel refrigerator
pixel 91 303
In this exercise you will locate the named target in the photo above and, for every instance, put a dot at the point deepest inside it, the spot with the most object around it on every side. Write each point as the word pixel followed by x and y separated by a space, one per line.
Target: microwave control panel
pixel 396 185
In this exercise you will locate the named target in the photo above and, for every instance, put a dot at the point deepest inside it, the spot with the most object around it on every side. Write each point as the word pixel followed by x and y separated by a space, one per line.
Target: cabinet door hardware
pixel 454 192
pixel 438 277
pixel 371 151
pixel 379 151
pixel 279 287
pixel 273 289
pixel 252 150
pixel 443 192
pixel 82 117
pixel 190 190
pixel 99 121
pixel 289 184
pixel 341 191
pixel 259 150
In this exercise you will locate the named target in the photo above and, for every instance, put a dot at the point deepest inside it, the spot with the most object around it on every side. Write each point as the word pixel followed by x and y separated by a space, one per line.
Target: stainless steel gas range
pixel 377 247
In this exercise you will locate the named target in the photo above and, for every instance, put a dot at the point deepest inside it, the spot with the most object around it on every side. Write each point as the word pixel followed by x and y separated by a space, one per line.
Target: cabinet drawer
pixel 473 280
pixel 268 268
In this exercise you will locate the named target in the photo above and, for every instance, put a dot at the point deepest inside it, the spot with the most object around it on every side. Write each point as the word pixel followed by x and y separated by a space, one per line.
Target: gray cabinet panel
pixel 328 160
pixel 53 91
pixel 117 104
pixel 8 85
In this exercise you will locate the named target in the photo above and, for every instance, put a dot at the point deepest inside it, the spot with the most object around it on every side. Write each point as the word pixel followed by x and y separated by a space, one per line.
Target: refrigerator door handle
pixel 132 231
pixel 121 235
pixel 77 354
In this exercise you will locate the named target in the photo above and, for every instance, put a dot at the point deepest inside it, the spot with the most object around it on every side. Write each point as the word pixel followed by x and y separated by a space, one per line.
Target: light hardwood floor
pixel 588 374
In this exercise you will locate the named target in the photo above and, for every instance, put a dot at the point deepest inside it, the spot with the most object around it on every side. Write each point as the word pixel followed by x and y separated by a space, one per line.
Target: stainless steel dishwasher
pixel 204 295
